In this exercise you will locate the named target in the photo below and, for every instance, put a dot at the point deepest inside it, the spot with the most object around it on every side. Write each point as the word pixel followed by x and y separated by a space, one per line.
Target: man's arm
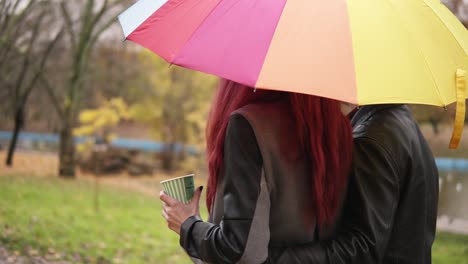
pixel 367 216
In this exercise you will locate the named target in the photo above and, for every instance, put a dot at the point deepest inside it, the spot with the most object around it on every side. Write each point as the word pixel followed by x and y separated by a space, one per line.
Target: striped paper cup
pixel 180 188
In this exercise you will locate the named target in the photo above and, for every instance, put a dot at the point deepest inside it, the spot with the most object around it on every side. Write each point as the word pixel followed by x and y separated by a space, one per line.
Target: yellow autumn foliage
pixel 100 121
pixel 175 103
pixel 85 130
pixel 88 116
pixel 121 107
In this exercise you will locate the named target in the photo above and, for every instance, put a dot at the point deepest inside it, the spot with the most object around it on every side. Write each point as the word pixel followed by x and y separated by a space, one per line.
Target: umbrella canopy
pixel 358 51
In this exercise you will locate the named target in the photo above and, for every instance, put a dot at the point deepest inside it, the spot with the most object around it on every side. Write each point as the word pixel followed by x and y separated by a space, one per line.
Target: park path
pixel 457 225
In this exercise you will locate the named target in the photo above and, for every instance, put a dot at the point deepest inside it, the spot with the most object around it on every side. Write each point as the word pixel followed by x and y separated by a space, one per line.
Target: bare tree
pixel 85 22
pixel 459 8
pixel 23 56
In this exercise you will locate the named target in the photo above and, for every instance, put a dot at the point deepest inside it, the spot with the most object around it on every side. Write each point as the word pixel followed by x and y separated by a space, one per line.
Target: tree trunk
pixel 168 157
pixel 435 124
pixel 19 122
pixel 66 152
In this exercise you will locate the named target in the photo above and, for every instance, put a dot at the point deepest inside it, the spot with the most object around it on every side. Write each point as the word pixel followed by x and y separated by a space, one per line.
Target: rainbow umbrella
pixel 358 51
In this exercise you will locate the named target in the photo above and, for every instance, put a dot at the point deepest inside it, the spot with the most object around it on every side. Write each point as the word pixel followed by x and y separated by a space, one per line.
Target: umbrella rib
pixel 440 19
pixel 444 101
pixel 193 33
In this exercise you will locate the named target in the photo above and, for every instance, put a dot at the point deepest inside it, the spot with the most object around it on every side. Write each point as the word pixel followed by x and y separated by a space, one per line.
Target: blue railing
pixel 449 164
pixel 42 137
pixel 137 144
pixel 444 164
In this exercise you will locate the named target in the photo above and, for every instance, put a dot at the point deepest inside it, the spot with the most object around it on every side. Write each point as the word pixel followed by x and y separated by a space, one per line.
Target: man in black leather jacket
pixel 389 214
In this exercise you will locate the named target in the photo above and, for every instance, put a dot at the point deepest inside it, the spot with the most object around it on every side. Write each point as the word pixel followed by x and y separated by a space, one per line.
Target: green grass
pixel 450 248
pixel 49 214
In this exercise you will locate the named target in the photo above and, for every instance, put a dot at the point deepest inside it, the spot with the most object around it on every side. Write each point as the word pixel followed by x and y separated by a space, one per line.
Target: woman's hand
pixel 176 212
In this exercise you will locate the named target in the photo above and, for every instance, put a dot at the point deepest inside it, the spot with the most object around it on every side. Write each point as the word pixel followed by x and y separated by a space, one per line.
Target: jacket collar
pixel 364 113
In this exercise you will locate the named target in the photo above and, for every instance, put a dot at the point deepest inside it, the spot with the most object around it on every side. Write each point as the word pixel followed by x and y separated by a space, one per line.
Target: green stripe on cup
pixel 180 188
pixel 189 188
pixel 179 195
pixel 175 190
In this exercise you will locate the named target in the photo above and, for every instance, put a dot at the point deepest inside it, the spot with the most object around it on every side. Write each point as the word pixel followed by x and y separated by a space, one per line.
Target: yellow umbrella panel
pixel 422 54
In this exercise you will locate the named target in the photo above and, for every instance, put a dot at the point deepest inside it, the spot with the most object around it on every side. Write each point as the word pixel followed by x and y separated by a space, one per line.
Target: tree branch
pixel 27 57
pixel 53 97
pixel 100 13
pixel 12 27
pixel 101 30
pixel 69 24
pixel 107 24
pixel 39 71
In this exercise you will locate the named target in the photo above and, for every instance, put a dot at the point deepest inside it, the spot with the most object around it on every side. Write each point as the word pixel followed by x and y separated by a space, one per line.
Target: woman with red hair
pixel 278 167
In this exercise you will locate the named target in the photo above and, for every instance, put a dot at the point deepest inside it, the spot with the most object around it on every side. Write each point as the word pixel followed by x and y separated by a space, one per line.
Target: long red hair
pixel 322 130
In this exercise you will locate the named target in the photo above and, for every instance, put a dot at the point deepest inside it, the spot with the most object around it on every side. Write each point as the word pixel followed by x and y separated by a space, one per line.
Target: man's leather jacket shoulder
pixel 390 211
pixel 392 130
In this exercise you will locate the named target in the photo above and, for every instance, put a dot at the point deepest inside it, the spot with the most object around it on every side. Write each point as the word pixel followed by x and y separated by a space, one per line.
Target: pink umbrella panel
pixel 218 37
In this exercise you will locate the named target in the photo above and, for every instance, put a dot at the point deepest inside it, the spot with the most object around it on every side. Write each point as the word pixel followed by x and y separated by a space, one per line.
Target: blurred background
pixel 89 125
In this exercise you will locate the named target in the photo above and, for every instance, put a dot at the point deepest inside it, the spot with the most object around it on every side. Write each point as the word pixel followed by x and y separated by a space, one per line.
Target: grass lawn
pixel 450 248
pixel 53 216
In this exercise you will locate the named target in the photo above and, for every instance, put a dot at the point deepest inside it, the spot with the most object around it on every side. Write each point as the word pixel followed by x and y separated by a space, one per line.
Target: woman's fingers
pixel 167 199
pixel 170 223
pixel 164 214
pixel 175 212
